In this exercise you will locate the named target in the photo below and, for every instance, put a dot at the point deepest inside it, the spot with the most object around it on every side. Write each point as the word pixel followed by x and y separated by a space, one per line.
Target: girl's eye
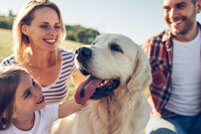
pixel 27 93
pixel 33 83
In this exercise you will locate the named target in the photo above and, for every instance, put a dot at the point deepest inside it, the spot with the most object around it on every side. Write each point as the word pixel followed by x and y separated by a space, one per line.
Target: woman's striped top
pixel 57 91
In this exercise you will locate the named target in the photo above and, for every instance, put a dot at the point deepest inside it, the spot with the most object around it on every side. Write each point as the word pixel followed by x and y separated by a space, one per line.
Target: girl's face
pixel 28 97
pixel 44 30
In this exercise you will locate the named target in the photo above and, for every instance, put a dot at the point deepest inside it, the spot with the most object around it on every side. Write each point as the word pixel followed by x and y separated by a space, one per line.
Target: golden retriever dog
pixel 118 72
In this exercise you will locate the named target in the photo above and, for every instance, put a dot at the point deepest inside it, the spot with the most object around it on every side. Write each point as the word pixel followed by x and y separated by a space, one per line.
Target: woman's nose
pixel 53 31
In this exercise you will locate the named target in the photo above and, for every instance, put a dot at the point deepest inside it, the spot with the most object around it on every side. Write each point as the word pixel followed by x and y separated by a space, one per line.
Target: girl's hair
pixel 21 41
pixel 9 81
pixel 193 1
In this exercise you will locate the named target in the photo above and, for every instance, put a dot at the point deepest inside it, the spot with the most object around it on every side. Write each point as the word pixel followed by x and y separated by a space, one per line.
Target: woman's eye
pixel 57 27
pixel 44 26
pixel 27 93
pixel 115 47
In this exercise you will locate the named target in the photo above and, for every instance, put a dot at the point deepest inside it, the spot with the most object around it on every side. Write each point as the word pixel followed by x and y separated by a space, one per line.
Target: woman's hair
pixel 21 41
pixel 9 81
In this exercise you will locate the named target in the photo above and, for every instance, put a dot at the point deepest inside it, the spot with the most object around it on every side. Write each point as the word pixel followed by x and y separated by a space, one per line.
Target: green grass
pixel 5 43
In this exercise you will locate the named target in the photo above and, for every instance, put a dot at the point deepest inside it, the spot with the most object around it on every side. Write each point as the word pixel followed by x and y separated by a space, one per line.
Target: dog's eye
pixel 115 47
pixel 93 43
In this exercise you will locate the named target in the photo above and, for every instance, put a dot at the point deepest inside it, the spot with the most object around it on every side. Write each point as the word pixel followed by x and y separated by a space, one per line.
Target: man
pixel 174 57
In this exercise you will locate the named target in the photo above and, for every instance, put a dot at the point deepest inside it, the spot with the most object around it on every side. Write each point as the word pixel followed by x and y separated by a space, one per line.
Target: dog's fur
pixel 126 111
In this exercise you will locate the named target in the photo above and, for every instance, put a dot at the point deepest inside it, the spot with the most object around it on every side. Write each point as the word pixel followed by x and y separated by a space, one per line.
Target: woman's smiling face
pixel 45 29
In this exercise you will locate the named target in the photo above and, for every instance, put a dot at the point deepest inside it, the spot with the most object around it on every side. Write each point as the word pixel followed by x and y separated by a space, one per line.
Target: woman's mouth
pixel 50 41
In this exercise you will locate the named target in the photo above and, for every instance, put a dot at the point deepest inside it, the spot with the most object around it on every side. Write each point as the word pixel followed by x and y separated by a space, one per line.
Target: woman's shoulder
pixel 67 55
pixel 64 52
pixel 10 60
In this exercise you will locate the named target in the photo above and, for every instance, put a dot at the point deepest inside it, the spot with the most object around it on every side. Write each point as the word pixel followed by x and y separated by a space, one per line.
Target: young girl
pixel 22 105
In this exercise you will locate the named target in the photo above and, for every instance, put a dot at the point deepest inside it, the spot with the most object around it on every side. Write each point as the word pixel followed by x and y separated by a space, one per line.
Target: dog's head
pixel 113 61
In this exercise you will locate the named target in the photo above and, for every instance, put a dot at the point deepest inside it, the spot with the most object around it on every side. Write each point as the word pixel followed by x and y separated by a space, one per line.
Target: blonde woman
pixel 38 31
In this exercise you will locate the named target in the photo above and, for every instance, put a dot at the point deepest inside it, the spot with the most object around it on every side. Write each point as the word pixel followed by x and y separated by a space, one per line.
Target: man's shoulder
pixel 159 36
pixel 157 39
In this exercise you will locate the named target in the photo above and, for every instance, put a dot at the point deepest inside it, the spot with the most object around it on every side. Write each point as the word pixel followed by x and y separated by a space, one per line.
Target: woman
pixel 38 30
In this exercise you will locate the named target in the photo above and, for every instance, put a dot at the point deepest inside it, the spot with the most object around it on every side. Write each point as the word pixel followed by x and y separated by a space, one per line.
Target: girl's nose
pixel 37 90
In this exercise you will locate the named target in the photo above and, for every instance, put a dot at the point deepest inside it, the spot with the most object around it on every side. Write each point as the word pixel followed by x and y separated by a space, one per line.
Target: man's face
pixel 180 15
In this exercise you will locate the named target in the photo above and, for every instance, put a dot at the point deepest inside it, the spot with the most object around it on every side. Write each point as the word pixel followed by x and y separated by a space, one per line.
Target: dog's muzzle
pixel 83 54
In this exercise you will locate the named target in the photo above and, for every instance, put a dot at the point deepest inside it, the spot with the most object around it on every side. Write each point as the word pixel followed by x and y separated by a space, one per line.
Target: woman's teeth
pixel 50 41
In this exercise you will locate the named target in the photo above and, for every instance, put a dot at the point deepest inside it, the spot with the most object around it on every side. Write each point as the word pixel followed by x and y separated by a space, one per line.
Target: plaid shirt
pixel 160 51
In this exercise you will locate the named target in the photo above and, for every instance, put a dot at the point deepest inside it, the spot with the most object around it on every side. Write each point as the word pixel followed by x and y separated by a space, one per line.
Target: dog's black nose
pixel 83 53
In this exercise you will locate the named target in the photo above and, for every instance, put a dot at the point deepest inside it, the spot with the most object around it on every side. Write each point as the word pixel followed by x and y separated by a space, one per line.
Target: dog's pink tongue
pixel 89 86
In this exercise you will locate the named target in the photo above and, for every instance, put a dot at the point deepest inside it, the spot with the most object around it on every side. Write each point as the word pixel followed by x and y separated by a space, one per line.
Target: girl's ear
pixel 24 29
pixel 4 115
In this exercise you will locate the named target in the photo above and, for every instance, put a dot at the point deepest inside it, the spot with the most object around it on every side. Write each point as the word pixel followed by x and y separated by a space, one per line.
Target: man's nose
pixel 173 13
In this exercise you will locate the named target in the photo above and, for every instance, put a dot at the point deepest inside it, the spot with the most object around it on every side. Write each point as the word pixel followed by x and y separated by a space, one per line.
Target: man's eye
pixel 27 93
pixel 166 8
pixel 180 6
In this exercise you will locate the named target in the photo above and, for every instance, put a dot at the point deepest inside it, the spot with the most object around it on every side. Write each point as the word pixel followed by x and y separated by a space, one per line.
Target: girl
pixel 22 105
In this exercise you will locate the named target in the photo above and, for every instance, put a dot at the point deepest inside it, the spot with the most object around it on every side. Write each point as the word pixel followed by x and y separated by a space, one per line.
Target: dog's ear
pixel 141 76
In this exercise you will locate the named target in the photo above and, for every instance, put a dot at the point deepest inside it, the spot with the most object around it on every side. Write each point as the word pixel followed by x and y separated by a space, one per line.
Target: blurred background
pixel 85 19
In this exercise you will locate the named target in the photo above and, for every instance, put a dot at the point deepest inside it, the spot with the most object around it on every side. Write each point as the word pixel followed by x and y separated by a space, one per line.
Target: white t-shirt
pixel 185 98
pixel 43 121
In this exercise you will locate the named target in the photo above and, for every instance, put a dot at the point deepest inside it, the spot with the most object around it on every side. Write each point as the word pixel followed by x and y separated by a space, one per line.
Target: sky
pixel 137 19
